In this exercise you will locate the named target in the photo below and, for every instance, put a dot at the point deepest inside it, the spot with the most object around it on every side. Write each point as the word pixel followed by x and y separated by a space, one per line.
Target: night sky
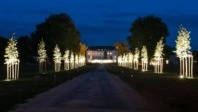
pixel 100 22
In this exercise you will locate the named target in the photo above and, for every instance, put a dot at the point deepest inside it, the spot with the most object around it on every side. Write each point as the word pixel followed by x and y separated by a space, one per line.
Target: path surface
pixel 96 91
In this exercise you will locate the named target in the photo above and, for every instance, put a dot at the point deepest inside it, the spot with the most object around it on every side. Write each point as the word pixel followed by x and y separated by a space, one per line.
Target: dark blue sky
pixel 100 22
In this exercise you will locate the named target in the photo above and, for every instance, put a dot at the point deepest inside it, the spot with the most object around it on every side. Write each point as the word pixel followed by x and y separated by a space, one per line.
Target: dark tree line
pixel 57 29
pixel 147 31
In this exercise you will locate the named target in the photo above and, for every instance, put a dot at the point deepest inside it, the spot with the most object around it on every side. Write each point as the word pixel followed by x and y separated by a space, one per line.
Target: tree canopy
pixel 121 47
pixel 83 49
pixel 147 31
pixel 57 29
pixel 183 42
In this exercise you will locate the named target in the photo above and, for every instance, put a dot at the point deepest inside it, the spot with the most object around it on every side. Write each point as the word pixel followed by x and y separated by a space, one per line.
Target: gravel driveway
pixel 96 91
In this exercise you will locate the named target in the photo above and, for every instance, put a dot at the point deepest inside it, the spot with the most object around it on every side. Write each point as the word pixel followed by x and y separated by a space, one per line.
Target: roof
pixel 101 48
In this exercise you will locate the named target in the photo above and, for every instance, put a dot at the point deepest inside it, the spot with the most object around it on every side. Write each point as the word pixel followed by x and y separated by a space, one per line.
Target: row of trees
pixel 147 31
pixel 131 60
pixel 56 29
pixel 71 59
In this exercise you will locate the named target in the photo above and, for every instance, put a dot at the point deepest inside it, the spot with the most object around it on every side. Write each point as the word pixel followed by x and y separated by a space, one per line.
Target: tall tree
pixel 57 29
pixel 121 47
pixel 83 49
pixel 147 31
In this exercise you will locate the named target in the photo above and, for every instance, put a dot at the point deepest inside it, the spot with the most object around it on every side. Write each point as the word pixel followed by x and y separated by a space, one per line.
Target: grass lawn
pixel 32 83
pixel 179 94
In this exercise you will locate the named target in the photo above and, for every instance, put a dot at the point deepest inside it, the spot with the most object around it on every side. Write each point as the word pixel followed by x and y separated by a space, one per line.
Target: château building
pixel 101 54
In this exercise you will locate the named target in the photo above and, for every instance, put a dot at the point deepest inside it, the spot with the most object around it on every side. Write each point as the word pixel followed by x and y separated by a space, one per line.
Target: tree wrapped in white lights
pixel 183 52
pixel 158 65
pixel 76 60
pixel 127 60
pixel 66 60
pixel 81 60
pixel 119 60
pixel 11 59
pixel 130 60
pixel 42 57
pixel 71 60
pixel 144 59
pixel 124 60
pixel 57 59
pixel 136 58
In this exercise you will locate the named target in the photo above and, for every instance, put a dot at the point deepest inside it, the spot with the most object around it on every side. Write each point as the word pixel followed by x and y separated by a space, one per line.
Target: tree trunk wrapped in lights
pixel 76 61
pixel 71 60
pixel 144 59
pixel 130 60
pixel 42 57
pixel 136 58
pixel 66 60
pixel 124 60
pixel 81 60
pixel 119 60
pixel 11 60
pixel 57 59
pixel 158 65
pixel 183 52
pixel 127 60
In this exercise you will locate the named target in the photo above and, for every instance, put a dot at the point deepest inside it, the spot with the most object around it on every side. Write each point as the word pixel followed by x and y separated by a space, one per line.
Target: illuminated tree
pixel 66 60
pixel 121 48
pixel 71 60
pixel 158 66
pixel 183 52
pixel 76 60
pixel 144 59
pixel 11 59
pixel 125 60
pixel 57 58
pixel 83 49
pixel 120 60
pixel 136 58
pixel 42 57
pixel 81 60
pixel 130 60
pixel 81 55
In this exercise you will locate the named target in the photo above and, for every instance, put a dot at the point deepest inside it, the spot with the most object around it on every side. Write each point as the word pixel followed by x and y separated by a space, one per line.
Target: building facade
pixel 102 54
